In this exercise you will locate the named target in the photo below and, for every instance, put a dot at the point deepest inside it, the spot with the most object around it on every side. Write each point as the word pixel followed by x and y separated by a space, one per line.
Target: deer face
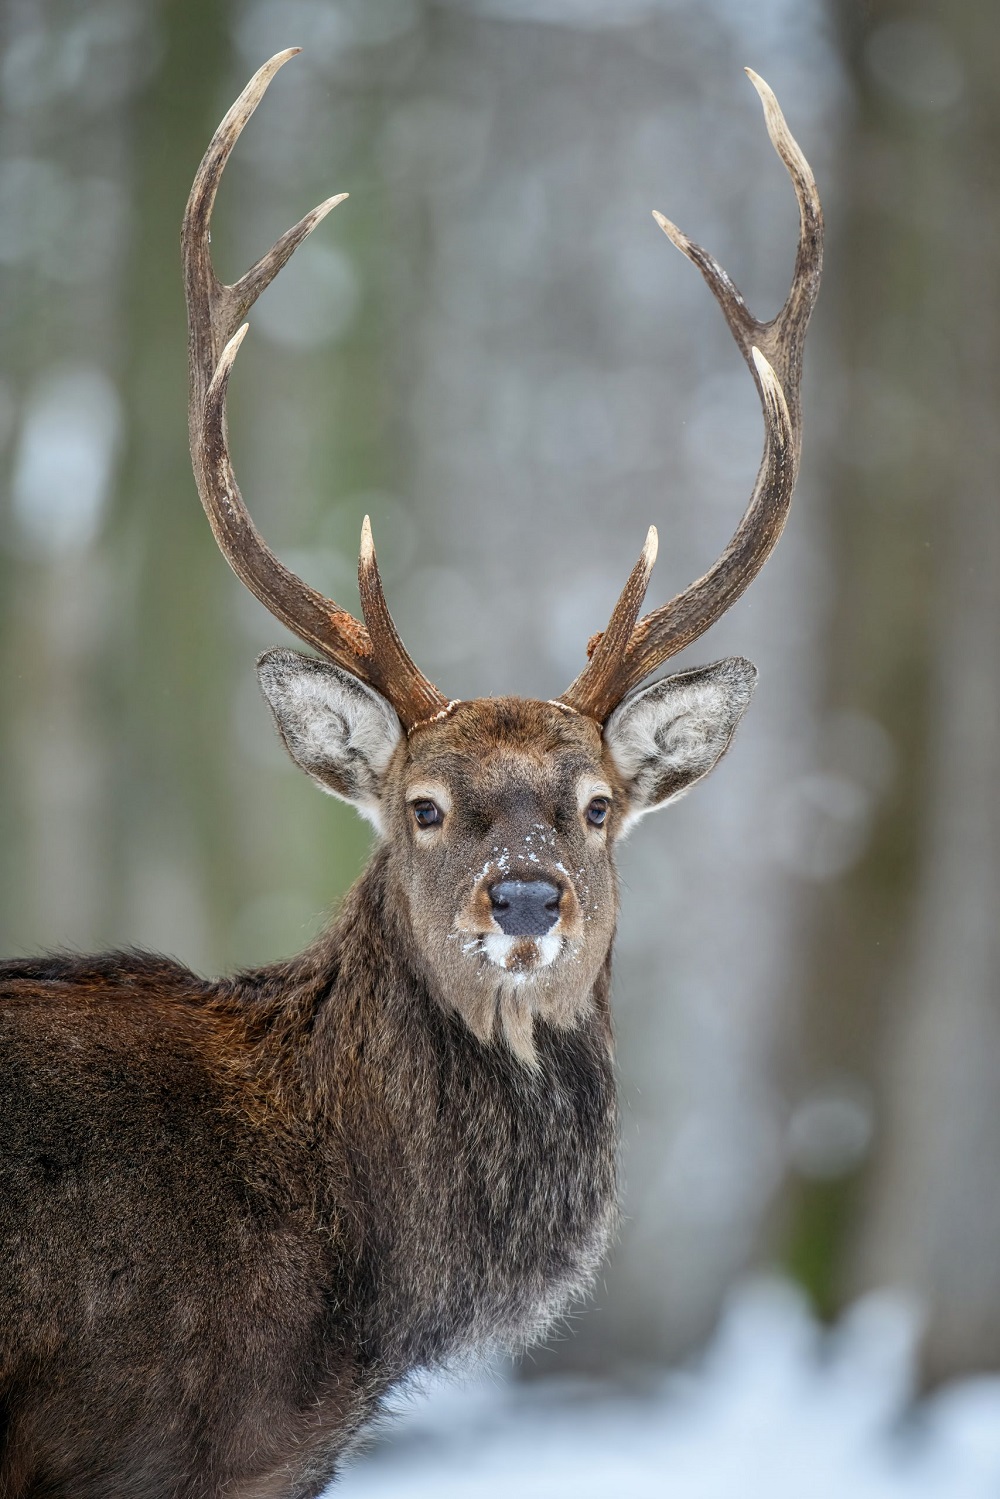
pixel 501 815
pixel 501 819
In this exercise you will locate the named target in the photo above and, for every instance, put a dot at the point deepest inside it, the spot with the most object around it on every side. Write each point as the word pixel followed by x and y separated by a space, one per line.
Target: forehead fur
pixel 501 727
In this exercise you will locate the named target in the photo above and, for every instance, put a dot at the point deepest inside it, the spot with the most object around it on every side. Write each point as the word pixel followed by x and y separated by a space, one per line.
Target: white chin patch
pixel 515 956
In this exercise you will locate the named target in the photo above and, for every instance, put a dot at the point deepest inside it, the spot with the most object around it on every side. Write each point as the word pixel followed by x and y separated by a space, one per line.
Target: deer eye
pixel 597 811
pixel 427 814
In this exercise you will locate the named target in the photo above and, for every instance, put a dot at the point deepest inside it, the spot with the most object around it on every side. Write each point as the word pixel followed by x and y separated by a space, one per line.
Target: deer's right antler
pixel 371 651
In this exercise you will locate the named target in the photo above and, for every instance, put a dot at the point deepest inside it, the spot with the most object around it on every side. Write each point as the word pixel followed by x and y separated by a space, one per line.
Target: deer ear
pixel 339 730
pixel 667 736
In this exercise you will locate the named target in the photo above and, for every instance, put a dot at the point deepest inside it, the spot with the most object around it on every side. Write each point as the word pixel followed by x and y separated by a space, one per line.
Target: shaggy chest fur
pixel 232 1216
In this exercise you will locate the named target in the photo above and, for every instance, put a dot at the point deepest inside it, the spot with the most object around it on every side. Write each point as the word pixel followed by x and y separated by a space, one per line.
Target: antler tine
pixel 606 650
pixel 214 311
pixel 395 669
pixel 773 352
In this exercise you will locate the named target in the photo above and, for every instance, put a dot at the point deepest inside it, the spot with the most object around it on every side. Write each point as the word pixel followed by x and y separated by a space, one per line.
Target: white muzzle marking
pixel 498 947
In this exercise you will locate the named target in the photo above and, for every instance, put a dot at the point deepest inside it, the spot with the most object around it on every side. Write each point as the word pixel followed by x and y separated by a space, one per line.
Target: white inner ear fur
pixel 668 736
pixel 339 730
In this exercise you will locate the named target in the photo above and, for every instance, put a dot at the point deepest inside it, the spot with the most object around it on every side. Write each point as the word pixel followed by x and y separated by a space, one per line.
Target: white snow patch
pixel 776 1408
pixel 548 949
pixel 498 947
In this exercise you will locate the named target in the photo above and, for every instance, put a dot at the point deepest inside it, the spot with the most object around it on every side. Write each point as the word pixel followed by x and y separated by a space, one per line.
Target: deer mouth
pixel 521 956
pixel 516 959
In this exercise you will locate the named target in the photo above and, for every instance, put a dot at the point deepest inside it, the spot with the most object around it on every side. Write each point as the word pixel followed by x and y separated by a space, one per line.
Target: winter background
pixel 492 349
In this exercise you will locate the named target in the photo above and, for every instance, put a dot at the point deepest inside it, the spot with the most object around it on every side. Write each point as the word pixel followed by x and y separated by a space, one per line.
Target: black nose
pixel 525 908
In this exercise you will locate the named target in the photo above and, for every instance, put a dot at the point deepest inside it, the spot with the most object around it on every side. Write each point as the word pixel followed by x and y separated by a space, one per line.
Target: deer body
pixel 234 1214
pixel 313 1180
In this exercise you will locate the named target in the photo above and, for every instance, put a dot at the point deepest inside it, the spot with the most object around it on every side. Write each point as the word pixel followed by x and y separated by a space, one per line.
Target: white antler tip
pixel 763 367
pixel 765 92
pixel 258 87
pixel 774 396
pixel 782 139
pixel 651 547
pixel 220 379
pixel 367 543
pixel 670 229
pixel 232 348
pixel 319 213
pixel 261 80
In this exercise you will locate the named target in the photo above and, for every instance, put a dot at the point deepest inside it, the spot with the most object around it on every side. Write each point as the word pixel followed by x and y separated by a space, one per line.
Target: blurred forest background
pixel 492 348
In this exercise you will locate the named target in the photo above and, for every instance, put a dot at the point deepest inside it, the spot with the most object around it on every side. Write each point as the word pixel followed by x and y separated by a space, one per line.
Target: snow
pixel 776 1407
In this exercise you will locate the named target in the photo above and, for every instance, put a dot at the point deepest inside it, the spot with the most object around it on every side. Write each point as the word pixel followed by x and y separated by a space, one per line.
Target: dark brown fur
pixel 233 1214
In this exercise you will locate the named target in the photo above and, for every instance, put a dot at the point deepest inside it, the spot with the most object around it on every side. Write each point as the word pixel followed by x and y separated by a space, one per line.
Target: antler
pixel 372 651
pixel 627 652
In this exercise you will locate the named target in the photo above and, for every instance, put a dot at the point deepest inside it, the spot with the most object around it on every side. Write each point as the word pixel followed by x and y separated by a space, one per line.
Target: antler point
pixel 764 367
pixel 763 88
pixel 367 543
pixel 676 236
pixel 227 359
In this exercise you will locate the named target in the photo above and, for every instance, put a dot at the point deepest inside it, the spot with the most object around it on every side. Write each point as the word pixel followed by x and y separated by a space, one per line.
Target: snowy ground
pixel 775 1408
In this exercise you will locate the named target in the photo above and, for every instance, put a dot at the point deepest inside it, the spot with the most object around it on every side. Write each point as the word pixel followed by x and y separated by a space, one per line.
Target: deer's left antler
pixel 631 648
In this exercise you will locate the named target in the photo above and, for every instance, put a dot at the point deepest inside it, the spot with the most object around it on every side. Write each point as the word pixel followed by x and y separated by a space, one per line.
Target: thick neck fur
pixel 472 1194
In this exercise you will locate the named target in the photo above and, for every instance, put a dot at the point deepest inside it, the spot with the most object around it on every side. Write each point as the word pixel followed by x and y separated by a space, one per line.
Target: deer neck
pixel 486 1187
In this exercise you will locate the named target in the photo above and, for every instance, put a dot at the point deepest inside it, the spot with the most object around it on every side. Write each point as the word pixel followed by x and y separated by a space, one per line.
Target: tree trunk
pixel 901 1011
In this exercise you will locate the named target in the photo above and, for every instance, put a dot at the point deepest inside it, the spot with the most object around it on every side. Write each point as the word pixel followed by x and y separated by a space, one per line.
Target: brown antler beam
pixel 773 351
pixel 374 653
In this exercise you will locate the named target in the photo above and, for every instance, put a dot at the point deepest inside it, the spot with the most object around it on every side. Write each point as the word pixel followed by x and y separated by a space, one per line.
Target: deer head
pixel 500 815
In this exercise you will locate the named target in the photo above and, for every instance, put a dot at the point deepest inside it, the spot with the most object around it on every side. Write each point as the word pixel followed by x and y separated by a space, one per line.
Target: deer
pixel 236 1213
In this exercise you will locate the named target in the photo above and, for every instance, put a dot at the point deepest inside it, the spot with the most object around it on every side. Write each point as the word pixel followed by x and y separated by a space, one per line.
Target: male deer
pixel 235 1214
